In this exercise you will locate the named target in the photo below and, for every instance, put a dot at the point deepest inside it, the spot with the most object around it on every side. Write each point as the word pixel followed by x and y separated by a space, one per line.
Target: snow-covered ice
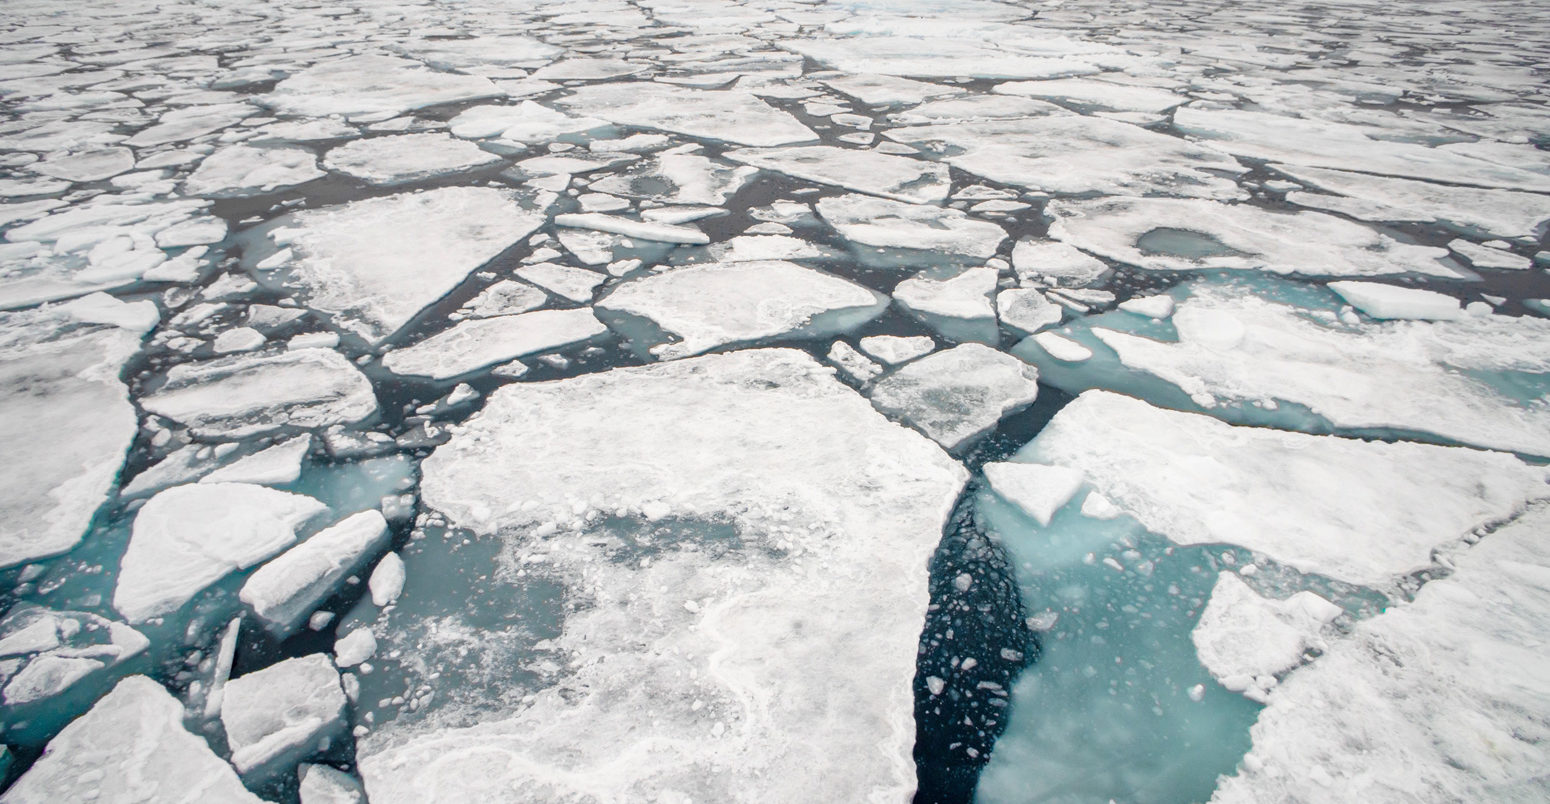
pixel 958 394
pixel 730 115
pixel 246 394
pixel 895 224
pixel 471 345
pixel 896 177
pixel 407 158
pixel 1391 301
pixel 241 170
pixel 43 652
pixel 287 589
pixel 373 84
pixel 282 711
pixel 1247 640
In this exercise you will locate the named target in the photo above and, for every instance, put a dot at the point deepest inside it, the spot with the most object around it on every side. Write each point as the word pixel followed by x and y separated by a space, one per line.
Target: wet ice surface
pixel 773 401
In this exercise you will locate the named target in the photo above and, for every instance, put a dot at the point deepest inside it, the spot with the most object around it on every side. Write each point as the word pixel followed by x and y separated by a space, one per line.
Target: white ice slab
pixel 241 170
pixel 1090 94
pixel 47 651
pixel 729 115
pixel 895 349
pixel 275 466
pixel 959 394
pixel 898 177
pixel 1497 213
pixel 576 284
pixel 965 295
pixel 407 158
pixel 1246 640
pixel 247 394
pixel 1392 301
pixel 373 84
pixel 894 224
pixel 287 589
pixel 644 230
pixel 677 179
pixel 1037 490
pixel 471 345
pixel 525 122
pixel 321 784
pixel 282 711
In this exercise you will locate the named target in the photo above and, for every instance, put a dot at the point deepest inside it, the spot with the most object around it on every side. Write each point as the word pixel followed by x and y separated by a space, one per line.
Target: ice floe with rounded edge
pixel 1037 490
pixel 374 264
pixel 188 537
pixel 1246 640
pixel 1051 262
pixel 93 164
pixel 957 306
pixel 898 177
pixel 407 158
pixel 247 394
pixel 292 585
pixel 131 748
pixel 1174 234
pixel 471 345
pixel 835 511
pixel 677 179
pixel 241 170
pixel 1364 512
pixel 43 652
pixel 372 84
pixel 274 466
pixel 527 122
pixel 729 115
pixel 895 224
pixel 958 394
pixel 1442 694
pixel 322 784
pixel 718 304
pixel 283 712
pixel 896 349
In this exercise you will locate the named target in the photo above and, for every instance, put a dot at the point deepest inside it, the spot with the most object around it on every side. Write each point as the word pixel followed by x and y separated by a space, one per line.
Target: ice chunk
pixel 188 537
pixel 525 122
pixel 1440 693
pixel 180 125
pixel 1037 490
pixel 282 712
pixel 321 784
pixel 882 222
pixel 1061 347
pixel 854 364
pixel 958 307
pixel 275 466
pixel 896 349
pixel 65 424
pixel 1486 257
pixel 730 115
pixel 238 339
pixel 131 748
pixel 373 264
pixel 589 69
pixel 241 170
pixel 287 589
pixel 1093 95
pixel 94 164
pixel 897 177
pixel 1026 310
pixel 959 394
pixel 355 647
pixel 644 230
pixel 1358 511
pixel 933 56
pixel 1391 301
pixel 1163 234
pixel 677 179
pixel 716 304
pixel 407 158
pixel 505 297
pixel 46 652
pixel 698 700
pixel 1162 305
pixel 372 84
pixel 576 284
pixel 887 89
pixel 387 580
pixel 247 394
pixel 471 345
pixel 1498 213
pixel 1246 640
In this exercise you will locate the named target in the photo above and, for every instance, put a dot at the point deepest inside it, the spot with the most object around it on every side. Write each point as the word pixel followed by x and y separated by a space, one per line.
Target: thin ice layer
pixel 958 394
pixel 694 662
pixel 1358 511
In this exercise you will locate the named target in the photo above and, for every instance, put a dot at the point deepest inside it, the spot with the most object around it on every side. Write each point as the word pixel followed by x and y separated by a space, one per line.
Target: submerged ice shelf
pixel 630 400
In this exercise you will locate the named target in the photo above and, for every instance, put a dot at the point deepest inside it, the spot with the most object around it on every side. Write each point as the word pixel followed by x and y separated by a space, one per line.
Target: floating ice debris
pixel 1439 693
pixel 1037 490
pixel 188 537
pixel 1391 301
pixel 894 224
pixel 887 89
pixel 1096 95
pixel 44 652
pixel 1492 258
pixel 506 297
pixel 896 177
pixel 180 125
pixel 815 483
pixel 576 284
pixel 1163 234
pixel 373 264
pixel 854 364
pixel 717 304
pixel 131 748
pixel 247 394
pixel 677 179
pixel 282 712
pixel 959 394
pixel 958 307
pixel 1363 512
pixel 896 349
pixel 928 56
pixel 321 784
pixel 89 165
pixel 1162 305
pixel 407 158
pixel 238 339
pixel 1246 640
pixel 283 592
pixel 660 232
pixel 471 345
pixel 240 170
pixel 525 122
pixel 1060 347
pixel 1498 213
pixel 65 422
pixel 274 466
pixel 355 647
pixel 371 84
pixel 584 69
pixel 730 115
pixel 387 580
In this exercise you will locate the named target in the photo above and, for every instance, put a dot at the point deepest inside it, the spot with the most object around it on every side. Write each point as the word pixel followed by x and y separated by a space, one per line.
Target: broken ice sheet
pixel 729 115
pixel 372 84
pixel 407 158
pixel 896 177
pixel 895 224
pixel 471 345
pixel 248 394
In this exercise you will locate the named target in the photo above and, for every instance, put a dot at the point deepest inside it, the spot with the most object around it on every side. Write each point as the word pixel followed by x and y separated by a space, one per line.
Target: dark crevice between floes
pixel 976 640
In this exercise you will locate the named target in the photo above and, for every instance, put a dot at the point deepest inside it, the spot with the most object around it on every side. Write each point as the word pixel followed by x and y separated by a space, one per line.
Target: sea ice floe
pixel 677 179
pixel 527 122
pixel 1364 512
pixel 1247 640
pixel 1050 262
pixel 241 170
pixel 566 281
pixel 888 89
pixel 188 537
pixel 93 164
pixel 1481 256
pixel 242 395
pixel 1096 95
pixel 1378 300
pixel 283 592
pixel 693 660
pixel 1036 489
pixel 896 349
pixel 895 224
pixel 181 125
pixel 729 115
pixel 1164 234
pixel 853 363
pixel 718 304
pixel 958 394
pixel 933 56
pixel 897 177
pixel 643 230
pixel 957 306
pixel 506 297
pixel 60 377
pixel 43 652
pixel 1497 213
pixel 407 158
pixel 273 466
pixel 471 345
pixel 373 264
pixel 131 748
pixel 321 784
pixel 1433 700
pixel 372 84
pixel 282 712
pixel 387 580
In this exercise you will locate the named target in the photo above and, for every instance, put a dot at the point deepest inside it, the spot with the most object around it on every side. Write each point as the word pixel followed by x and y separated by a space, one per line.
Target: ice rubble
pixel 717 304
pixel 958 394
pixel 374 264
pixel 284 711
pixel 60 376
pixel 715 648
pixel 373 84
pixel 1175 234
pixel 896 177
pixel 471 345
pixel 1440 699
pixel 188 537
pixel 291 586
pixel 1246 640
pixel 43 652
pixel 241 170
pixel 131 748
pixel 407 158
pixel 895 224
pixel 246 394
pixel 1244 356
pixel 730 115
pixel 1363 512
